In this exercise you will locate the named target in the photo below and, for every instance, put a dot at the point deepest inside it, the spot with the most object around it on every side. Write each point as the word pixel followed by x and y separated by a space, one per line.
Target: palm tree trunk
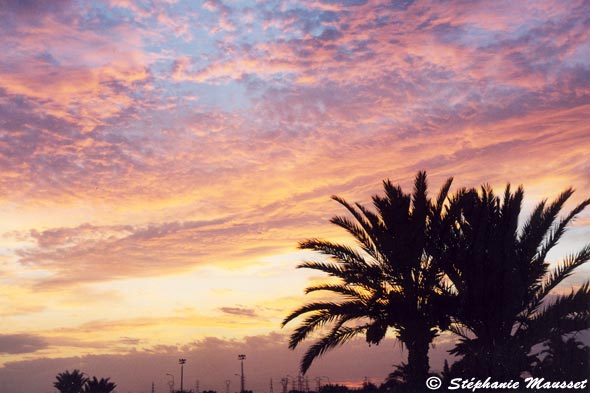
pixel 418 362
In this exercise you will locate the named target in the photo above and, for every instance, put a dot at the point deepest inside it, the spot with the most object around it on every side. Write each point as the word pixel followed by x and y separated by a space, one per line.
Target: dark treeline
pixel 465 263
pixel 77 382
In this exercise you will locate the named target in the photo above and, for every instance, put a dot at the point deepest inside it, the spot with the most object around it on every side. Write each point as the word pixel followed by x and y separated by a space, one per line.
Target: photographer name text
pixel 529 383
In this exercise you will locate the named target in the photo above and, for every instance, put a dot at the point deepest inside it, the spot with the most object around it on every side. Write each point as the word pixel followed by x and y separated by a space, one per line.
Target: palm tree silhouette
pixel 563 360
pixel 503 282
pixel 103 385
pixel 70 382
pixel 391 281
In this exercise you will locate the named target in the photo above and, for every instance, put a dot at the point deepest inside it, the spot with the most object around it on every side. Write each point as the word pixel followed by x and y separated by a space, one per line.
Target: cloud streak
pixel 21 343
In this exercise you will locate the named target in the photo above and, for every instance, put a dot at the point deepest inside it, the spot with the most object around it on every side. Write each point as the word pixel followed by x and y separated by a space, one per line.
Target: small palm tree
pixel 503 282
pixel 390 281
pixel 99 386
pixel 70 382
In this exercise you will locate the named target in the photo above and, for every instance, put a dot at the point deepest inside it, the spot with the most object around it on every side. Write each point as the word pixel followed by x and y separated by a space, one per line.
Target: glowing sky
pixel 159 162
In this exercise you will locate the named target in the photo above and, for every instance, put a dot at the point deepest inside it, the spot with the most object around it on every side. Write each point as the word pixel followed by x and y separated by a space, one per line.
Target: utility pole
pixel 319 382
pixel 241 358
pixel 271 390
pixel 181 362
pixel 171 383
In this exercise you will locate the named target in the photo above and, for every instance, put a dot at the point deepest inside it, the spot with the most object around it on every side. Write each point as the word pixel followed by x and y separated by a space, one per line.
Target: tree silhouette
pixel 334 388
pixel 70 382
pixel 95 385
pixel 502 280
pixel 563 360
pixel 391 281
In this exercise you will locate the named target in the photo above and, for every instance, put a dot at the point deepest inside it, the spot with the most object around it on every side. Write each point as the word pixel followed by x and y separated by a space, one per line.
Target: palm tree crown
pixel 502 280
pixel 70 382
pixel 390 280
pixel 102 385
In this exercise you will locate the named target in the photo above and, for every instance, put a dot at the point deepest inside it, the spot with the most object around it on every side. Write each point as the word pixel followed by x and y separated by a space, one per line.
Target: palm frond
pixel 340 252
pixel 317 320
pixel 561 272
pixel 352 307
pixel 539 224
pixel 442 196
pixel 532 223
pixel 420 194
pixel 331 268
pixel 511 207
pixel 342 289
pixel 445 288
pixel 366 242
pixel 394 208
pixel 465 346
pixel 566 314
pixel 458 330
pixel 556 233
pixel 362 220
pixel 338 336
pixel 394 197
pixel 309 307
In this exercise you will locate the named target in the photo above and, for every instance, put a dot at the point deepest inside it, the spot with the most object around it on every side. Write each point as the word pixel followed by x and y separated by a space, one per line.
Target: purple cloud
pixel 21 343
pixel 240 311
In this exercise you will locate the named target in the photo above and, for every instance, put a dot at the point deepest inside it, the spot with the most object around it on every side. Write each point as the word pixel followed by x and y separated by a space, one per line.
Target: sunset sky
pixel 160 160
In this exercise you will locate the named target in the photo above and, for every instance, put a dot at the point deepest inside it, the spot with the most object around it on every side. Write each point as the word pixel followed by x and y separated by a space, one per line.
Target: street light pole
pixel 171 383
pixel 241 358
pixel 181 362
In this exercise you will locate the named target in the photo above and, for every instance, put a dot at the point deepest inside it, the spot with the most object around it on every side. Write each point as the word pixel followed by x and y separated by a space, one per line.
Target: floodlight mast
pixel 241 358
pixel 181 362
